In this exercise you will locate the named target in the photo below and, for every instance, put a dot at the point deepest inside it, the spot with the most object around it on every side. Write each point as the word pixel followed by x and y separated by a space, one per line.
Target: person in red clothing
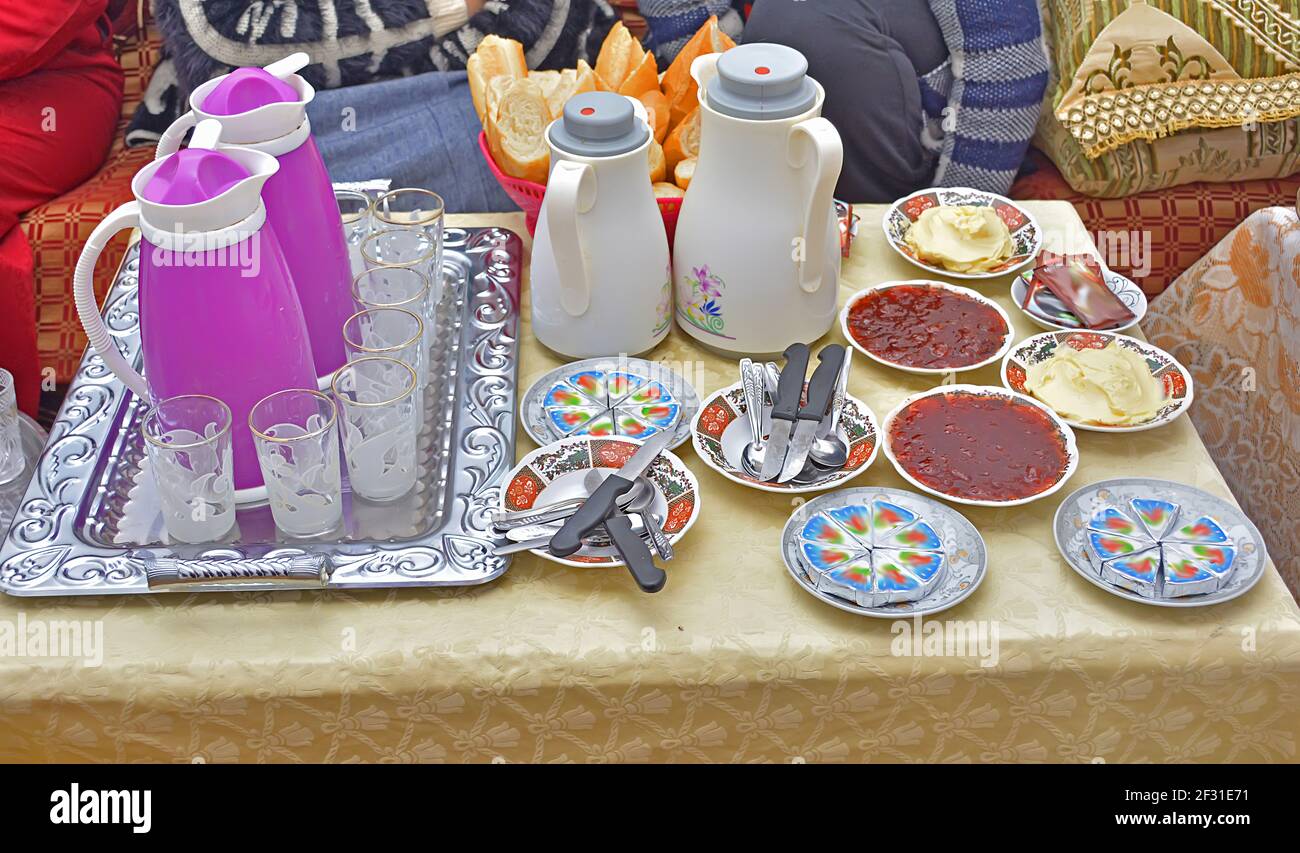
pixel 60 96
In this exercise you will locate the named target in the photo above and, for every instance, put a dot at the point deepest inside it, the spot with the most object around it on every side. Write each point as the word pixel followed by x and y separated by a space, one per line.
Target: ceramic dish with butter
pixel 1021 227
pixel 979 445
pixel 1100 381
pixel 926 327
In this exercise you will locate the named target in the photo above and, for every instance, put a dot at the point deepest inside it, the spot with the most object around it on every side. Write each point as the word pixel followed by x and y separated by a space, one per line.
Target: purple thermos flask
pixel 266 109
pixel 218 311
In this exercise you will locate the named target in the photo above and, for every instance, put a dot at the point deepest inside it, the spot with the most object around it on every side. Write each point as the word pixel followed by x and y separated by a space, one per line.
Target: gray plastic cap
pixel 762 81
pixel 598 124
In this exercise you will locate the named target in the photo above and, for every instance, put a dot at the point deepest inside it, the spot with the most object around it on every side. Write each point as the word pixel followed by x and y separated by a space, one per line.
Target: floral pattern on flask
pixel 664 310
pixel 699 306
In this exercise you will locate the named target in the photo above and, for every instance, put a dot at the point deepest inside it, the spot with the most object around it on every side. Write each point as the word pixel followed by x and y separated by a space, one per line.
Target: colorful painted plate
pixel 1070 527
pixel 1024 229
pixel 1062 432
pixel 559 470
pixel 603 397
pixel 720 433
pixel 1126 289
pixel 1002 349
pixel 965 555
pixel 1164 367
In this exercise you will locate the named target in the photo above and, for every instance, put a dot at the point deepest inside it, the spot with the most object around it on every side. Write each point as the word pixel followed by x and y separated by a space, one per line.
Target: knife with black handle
pixel 820 390
pixel 635 553
pixel 604 501
pixel 785 409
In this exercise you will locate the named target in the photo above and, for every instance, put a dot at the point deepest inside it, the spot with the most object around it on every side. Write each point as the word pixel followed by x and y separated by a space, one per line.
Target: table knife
pixel 785 409
pixel 603 502
pixel 820 390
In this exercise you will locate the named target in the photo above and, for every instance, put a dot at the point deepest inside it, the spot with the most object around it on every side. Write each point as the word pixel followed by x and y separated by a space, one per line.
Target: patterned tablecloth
pixel 731 662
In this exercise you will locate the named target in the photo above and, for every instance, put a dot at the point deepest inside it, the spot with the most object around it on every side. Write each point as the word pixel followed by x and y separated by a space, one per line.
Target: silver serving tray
pixel 88 522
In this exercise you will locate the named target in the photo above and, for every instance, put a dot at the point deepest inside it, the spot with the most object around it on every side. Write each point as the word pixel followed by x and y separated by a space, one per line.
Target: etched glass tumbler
pixel 11 440
pixel 395 287
pixel 390 333
pixel 188 442
pixel 397 247
pixel 297 439
pixel 378 402
pixel 411 209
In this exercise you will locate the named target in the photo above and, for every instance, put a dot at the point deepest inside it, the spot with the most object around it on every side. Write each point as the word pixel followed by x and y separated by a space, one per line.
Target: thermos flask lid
pixel 247 89
pixel 598 124
pixel 761 81
pixel 192 175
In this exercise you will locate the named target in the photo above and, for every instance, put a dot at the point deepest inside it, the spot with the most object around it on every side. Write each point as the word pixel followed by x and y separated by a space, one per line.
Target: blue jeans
pixel 419 131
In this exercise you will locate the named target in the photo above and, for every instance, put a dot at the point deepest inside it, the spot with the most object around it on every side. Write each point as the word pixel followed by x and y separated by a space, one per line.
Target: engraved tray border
pixel 43 555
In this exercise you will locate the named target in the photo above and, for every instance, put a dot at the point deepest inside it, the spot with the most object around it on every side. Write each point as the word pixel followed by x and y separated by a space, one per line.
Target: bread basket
pixel 528 195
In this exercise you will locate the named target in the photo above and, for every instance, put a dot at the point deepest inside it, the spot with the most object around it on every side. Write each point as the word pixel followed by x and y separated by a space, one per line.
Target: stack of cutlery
pixel 803 442
pixel 616 510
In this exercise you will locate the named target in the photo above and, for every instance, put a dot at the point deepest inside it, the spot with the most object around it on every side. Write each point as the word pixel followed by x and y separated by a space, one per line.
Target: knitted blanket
pixel 671 23
pixel 360 41
pixel 983 103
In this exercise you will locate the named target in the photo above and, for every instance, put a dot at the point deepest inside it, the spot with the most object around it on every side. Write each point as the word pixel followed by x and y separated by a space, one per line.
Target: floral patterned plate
pixel 562 467
pixel 1024 229
pixel 720 433
pixel 1173 376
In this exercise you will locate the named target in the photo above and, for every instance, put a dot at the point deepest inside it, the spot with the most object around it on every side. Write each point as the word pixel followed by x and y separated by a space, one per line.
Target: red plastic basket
pixel 528 195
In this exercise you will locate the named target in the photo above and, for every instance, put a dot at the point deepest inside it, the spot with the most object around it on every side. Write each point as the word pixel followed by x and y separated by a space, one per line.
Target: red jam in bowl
pixel 979 447
pixel 915 325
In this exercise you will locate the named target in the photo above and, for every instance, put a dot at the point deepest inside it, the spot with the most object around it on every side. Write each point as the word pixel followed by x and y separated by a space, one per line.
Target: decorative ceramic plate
pixel 618 395
pixel 1070 527
pixel 1175 379
pixel 558 471
pixel 1124 288
pixel 1024 229
pixel 996 409
pixel 720 433
pixel 965 558
pixel 997 345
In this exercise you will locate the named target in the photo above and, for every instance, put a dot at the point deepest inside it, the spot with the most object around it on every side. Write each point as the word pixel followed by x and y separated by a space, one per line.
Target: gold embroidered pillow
pixel 1155 94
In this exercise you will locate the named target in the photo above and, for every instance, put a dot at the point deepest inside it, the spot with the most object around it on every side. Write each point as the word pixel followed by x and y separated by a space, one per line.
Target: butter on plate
pixel 1111 386
pixel 961 238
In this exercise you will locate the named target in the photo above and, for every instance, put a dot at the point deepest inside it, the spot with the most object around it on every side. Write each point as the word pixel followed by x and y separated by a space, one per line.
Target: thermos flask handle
pixel 83 294
pixel 703 69
pixel 816 139
pixel 170 141
pixel 572 191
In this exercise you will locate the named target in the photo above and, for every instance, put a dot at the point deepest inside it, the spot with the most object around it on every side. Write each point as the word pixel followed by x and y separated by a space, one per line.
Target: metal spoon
pixel 830 450
pixel 752 381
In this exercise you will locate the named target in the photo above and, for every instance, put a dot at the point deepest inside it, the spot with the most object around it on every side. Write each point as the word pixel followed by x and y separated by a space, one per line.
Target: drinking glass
pixel 391 333
pixel 354 209
pixel 398 247
pixel 396 287
pixel 412 209
pixel 297 439
pixel 188 442
pixel 377 398
pixel 11 440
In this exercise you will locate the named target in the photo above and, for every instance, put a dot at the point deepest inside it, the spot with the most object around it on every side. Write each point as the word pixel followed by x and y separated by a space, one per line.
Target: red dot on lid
pixel 588 111
pixel 762 69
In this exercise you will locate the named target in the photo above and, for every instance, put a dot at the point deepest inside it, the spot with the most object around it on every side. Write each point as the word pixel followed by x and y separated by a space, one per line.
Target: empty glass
pixel 397 247
pixel 412 209
pixel 354 209
pixel 391 333
pixel 11 440
pixel 396 287
pixel 297 439
pixel 188 442
pixel 377 398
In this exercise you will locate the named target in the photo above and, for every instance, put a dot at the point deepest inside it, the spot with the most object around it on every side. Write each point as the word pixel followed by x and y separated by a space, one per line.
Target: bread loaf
pixel 516 130
pixel 495 57
pixel 684 140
